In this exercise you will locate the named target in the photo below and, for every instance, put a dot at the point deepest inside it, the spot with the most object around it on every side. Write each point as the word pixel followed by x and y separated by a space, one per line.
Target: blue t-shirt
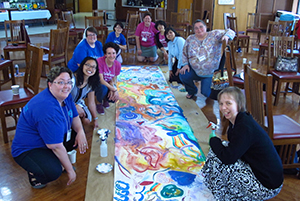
pixel 43 121
pixel 112 38
pixel 83 50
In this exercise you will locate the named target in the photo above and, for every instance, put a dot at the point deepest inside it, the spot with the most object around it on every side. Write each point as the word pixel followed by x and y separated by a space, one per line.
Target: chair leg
pixel 277 93
pixel 4 128
pixel 259 53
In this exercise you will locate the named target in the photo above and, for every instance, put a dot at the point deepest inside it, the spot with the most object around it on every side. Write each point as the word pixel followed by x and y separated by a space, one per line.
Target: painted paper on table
pixel 157 156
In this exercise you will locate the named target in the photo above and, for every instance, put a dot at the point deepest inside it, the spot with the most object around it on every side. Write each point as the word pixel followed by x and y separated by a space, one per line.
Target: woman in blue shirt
pixel 117 37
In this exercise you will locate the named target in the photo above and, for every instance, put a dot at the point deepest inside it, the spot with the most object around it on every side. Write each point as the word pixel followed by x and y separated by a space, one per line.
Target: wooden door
pixel 85 6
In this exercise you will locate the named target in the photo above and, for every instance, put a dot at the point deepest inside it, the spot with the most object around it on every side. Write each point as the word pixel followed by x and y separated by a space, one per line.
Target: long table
pixel 26 15
pixel 101 186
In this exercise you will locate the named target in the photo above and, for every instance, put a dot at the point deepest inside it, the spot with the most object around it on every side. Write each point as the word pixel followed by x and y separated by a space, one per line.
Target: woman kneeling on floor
pixel 48 128
pixel 248 166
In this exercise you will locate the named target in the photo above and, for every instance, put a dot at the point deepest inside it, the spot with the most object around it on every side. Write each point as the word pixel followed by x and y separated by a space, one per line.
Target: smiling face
pixel 61 86
pixel 170 35
pixel 161 28
pixel 89 68
pixel 200 30
pixel 228 106
pixel 91 38
pixel 147 21
pixel 118 29
pixel 110 55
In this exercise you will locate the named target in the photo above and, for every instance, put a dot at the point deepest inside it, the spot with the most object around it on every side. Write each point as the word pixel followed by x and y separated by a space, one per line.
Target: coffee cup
pixel 72 156
pixel 15 89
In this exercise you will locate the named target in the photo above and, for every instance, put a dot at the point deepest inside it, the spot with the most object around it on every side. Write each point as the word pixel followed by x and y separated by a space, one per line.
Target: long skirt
pixel 234 181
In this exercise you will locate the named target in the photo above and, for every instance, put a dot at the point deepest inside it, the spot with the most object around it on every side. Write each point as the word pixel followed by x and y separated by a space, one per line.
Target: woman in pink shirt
pixel 109 69
pixel 145 40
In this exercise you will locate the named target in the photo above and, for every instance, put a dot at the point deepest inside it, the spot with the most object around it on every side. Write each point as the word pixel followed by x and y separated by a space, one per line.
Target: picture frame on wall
pixel 226 2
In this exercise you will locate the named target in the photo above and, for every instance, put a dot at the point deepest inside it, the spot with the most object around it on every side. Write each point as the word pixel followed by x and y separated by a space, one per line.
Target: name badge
pixel 144 39
pixel 202 58
pixel 69 135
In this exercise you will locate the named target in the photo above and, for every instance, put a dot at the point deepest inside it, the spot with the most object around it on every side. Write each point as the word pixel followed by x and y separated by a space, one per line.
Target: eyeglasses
pixel 117 27
pixel 89 66
pixel 61 83
pixel 91 35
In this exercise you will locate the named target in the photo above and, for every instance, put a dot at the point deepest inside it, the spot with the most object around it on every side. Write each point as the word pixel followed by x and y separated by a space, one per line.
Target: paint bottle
pixel 213 129
pixel 103 148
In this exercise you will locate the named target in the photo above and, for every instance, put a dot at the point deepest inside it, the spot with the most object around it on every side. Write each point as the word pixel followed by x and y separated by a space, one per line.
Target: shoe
pixel 34 183
pixel 100 109
pixel 105 104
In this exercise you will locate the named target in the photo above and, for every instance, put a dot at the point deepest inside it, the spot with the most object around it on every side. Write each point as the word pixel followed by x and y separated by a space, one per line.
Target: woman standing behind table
pixel 89 46
pixel 85 80
pixel 43 135
pixel 161 41
pixel 248 167
pixel 109 69
pixel 117 37
pixel 201 57
pixel 145 40
pixel 175 47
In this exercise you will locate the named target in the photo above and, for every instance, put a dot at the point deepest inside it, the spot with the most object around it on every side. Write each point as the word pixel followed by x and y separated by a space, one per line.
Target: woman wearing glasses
pixel 117 37
pixel 86 79
pixel 89 46
pixel 44 131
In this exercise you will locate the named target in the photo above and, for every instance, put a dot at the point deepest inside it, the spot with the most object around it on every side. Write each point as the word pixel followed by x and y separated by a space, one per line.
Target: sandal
pixel 188 96
pixel 34 183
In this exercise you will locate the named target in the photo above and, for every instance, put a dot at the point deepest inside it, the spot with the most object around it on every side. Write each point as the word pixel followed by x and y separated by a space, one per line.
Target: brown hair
pixel 237 95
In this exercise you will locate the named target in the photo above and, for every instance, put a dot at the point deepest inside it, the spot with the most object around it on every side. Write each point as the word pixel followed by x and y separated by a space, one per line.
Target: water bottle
pixel 103 149
pixel 17 69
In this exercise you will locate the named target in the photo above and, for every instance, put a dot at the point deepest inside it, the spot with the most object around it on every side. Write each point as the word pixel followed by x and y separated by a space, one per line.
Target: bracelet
pixel 95 118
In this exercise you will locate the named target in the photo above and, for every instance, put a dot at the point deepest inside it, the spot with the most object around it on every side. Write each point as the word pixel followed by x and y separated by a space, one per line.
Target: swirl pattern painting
pixel 157 156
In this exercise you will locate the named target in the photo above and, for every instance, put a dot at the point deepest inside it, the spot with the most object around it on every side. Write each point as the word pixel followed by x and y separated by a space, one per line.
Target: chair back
pixel 258 102
pixel 58 44
pixel 68 15
pixel 129 12
pixel 101 13
pixel 232 24
pixel 15 32
pixel 132 24
pixel 94 21
pixel 33 70
pixel 226 21
pixel 252 21
pixel 62 24
pixel 275 28
pixel 179 23
pixel 160 14
pixel 279 46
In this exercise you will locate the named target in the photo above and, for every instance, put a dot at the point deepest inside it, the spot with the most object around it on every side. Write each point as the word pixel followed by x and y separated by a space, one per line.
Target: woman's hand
pixel 166 56
pixel 171 74
pixel 226 38
pixel 80 140
pixel 72 176
pixel 177 72
pixel 113 95
pixel 80 111
pixel 96 125
pixel 139 52
pixel 184 69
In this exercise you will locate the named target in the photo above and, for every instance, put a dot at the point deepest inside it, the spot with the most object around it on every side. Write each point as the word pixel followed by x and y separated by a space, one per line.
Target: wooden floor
pixel 14 181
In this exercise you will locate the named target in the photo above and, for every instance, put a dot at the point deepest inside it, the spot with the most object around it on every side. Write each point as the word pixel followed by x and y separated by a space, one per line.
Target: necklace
pixel 67 120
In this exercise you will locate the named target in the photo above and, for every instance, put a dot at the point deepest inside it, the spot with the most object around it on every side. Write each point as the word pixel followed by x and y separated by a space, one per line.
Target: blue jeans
pixel 188 80
pixel 101 92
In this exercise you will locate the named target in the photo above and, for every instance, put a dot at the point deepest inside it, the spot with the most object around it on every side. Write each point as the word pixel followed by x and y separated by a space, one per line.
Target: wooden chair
pixel 16 38
pixel 130 29
pixel 241 40
pixel 160 14
pixel 283 46
pixel 274 29
pixel 282 130
pixel 57 51
pixel 10 105
pixel 252 21
pixel 101 13
pixel 72 34
pixel 68 15
pixel 179 23
pixel 129 12
pixel 207 20
pixel 98 23
pixel 7 69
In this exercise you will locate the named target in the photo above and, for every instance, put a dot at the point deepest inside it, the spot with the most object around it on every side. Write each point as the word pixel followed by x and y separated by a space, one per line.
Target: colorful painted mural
pixel 157 157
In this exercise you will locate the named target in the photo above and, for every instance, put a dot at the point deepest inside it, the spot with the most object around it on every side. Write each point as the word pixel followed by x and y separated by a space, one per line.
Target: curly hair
pixel 56 71
pixel 112 45
pixel 94 80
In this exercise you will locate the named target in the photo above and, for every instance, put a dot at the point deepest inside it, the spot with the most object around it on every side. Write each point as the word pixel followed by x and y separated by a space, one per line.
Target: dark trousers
pixel 175 78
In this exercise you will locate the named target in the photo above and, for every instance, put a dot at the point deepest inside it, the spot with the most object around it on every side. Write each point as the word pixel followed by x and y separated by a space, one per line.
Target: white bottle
pixel 103 149
pixel 17 69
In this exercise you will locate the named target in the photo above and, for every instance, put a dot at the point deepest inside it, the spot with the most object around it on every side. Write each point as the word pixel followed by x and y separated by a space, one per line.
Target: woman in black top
pixel 248 167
